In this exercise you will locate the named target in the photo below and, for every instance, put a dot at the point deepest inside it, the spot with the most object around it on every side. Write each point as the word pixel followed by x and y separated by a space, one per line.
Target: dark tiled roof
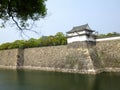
pixel 80 28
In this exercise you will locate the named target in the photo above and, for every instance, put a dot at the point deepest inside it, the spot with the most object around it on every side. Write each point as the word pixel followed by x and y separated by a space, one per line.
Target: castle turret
pixel 80 33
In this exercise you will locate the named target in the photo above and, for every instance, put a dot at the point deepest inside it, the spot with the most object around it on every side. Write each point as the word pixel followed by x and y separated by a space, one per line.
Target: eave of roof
pixel 81 28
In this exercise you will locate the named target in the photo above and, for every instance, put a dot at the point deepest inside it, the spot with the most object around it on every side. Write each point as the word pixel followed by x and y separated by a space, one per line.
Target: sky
pixel 102 16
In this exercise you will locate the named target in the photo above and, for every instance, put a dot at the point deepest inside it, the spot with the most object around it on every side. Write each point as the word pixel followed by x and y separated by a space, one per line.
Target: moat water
pixel 39 80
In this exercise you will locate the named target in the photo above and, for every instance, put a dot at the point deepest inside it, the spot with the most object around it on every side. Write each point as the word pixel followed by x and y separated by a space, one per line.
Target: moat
pixel 40 80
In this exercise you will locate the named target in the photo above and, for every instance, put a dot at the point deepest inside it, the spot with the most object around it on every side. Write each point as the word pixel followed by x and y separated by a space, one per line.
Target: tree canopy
pixel 20 11
pixel 58 39
pixel 112 34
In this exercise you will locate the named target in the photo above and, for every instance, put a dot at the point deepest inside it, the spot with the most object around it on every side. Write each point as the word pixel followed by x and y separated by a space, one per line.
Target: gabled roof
pixel 81 28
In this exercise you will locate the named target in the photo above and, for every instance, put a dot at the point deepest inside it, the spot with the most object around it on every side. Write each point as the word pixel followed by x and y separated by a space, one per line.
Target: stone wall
pixel 69 58
pixel 108 54
pixel 78 57
pixel 79 54
pixel 8 58
pixel 54 56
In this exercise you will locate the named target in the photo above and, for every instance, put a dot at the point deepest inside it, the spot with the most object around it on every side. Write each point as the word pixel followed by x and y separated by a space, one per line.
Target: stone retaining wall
pixel 59 58
pixel 8 58
pixel 108 53
pixel 78 57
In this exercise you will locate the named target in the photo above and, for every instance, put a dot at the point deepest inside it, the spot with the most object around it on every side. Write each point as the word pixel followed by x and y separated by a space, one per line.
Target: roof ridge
pixel 79 28
pixel 81 25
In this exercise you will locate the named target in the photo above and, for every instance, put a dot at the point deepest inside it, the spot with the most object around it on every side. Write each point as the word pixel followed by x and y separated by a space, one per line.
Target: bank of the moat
pixel 78 57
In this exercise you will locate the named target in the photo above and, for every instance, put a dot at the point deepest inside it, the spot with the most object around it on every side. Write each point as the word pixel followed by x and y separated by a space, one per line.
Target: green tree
pixel 113 34
pixel 16 44
pixel 44 41
pixel 20 11
pixel 33 43
pixel 51 41
pixel 60 38
pixel 4 46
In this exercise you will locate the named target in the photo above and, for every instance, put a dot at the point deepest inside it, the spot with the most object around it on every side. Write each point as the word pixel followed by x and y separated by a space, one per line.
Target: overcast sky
pixel 101 15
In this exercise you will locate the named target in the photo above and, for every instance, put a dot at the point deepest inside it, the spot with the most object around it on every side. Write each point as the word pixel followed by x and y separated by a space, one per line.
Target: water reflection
pixel 107 81
pixel 38 80
pixel 20 79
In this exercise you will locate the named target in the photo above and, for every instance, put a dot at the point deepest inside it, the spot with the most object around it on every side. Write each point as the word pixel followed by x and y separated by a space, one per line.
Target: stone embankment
pixel 78 57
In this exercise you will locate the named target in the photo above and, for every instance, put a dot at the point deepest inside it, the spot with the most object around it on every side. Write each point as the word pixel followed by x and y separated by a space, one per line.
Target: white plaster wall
pixel 80 38
pixel 77 38
pixel 106 39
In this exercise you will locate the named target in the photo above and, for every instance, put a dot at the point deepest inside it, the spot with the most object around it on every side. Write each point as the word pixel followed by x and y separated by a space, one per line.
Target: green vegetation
pixel 58 39
pixel 20 11
pixel 113 34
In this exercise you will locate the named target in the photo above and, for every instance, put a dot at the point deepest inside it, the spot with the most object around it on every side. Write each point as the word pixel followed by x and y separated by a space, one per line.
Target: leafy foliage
pixel 58 39
pixel 113 34
pixel 22 10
